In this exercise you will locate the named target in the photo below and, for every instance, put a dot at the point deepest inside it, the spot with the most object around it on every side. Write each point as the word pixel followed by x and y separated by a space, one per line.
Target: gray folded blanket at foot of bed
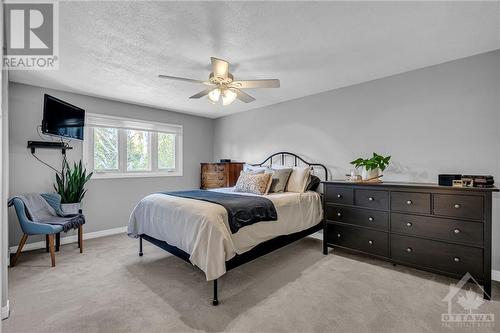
pixel 242 210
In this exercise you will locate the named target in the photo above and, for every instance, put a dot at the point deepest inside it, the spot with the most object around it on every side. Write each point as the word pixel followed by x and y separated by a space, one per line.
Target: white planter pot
pixel 71 208
pixel 365 174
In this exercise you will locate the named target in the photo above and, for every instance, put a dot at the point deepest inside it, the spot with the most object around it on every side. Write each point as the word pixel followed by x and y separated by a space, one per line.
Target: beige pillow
pixel 298 179
pixel 253 183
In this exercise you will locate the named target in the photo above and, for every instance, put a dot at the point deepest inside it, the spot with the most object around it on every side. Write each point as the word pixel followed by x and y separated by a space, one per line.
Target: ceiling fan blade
pixel 202 93
pixel 243 96
pixel 220 67
pixel 266 83
pixel 184 79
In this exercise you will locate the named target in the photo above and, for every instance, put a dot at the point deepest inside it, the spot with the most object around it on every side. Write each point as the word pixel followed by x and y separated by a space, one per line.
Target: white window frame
pixel 122 124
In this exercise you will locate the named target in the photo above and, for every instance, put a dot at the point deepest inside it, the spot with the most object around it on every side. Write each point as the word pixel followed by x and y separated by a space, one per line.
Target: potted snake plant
pixel 70 185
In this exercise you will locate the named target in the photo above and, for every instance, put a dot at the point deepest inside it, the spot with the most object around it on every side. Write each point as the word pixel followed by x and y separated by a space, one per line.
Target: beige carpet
pixel 295 289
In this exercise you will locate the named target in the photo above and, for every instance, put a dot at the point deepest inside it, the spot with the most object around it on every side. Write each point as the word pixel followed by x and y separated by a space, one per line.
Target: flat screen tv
pixel 62 119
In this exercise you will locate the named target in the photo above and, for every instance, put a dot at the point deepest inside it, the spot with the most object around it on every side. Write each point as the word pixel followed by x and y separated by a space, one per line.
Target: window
pixel 117 147
pixel 138 148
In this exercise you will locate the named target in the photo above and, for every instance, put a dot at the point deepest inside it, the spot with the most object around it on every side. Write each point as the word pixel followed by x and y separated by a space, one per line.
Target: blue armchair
pixel 51 232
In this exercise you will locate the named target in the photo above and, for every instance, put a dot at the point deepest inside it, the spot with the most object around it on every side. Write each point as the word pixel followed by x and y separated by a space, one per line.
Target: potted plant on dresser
pixel 371 168
pixel 70 185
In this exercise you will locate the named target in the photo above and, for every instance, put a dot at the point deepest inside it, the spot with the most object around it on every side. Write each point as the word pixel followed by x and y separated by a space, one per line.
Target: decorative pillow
pixel 254 169
pixel 298 179
pixel 253 183
pixel 279 179
pixel 54 200
pixel 313 183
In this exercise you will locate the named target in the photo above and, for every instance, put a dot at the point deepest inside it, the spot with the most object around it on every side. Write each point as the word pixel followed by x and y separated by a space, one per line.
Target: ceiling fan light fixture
pixel 221 84
pixel 213 96
pixel 228 96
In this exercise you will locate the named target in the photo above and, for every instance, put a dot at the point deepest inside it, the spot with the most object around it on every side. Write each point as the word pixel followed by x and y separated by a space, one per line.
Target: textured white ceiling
pixel 116 50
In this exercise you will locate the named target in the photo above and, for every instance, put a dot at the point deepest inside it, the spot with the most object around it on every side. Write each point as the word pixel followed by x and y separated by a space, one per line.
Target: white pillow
pixel 298 179
pixel 254 169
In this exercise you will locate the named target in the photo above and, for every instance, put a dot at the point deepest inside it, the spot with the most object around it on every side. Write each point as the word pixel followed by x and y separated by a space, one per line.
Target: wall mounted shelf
pixel 33 145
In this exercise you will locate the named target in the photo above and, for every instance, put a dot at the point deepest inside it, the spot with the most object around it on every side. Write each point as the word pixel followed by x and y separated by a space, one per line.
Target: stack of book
pixel 480 181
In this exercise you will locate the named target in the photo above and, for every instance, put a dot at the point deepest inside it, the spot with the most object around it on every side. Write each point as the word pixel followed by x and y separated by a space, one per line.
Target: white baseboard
pixel 317 235
pixel 6 311
pixel 495 275
pixel 72 239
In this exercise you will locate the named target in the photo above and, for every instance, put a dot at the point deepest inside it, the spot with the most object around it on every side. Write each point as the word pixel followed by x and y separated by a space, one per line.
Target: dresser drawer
pixel 362 217
pixel 213 180
pixel 339 195
pixel 372 199
pixel 220 168
pixel 462 206
pixel 445 229
pixel 411 202
pixel 213 167
pixel 208 168
pixel 451 258
pixel 369 241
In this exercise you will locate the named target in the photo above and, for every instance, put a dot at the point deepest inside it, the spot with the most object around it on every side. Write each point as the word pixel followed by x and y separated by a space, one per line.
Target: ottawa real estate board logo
pixel 31 35
pixel 464 306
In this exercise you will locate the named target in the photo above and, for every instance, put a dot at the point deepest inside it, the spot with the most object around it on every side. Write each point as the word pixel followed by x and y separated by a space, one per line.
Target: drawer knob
pixel 371 198
pixel 409 249
pixel 339 214
pixel 409 202
pixel 338 235
pixel 370 242
pixel 457 231
pixel 370 219
pixel 339 196
pixel 409 224
pixel 457 206
pixel 456 259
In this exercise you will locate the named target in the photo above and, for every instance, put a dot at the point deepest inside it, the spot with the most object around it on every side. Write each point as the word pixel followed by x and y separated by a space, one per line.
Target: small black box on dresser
pixel 445 230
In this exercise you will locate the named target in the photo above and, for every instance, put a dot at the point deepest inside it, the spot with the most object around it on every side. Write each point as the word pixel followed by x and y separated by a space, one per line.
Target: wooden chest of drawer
pixel 450 258
pixel 368 241
pixel 214 175
pixel 457 231
pixel 441 229
pixel 361 217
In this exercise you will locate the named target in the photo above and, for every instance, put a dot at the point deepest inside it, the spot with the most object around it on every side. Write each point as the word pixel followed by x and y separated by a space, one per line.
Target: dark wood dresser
pixel 441 229
pixel 214 175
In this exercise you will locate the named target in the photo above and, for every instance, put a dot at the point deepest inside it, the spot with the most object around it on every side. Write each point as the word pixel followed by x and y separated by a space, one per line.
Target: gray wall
pixel 441 119
pixel 109 202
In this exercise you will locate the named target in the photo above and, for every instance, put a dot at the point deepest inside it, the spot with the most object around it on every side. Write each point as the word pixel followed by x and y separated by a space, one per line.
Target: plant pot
pixel 71 208
pixel 369 174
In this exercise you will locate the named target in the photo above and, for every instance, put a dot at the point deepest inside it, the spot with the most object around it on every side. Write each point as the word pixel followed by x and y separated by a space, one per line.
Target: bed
pixel 198 231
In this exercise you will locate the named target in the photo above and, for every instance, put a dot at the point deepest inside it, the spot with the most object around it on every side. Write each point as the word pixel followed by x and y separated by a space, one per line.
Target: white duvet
pixel 201 228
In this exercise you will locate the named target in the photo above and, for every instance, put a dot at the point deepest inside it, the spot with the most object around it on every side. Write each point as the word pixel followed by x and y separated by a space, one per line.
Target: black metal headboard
pixel 296 158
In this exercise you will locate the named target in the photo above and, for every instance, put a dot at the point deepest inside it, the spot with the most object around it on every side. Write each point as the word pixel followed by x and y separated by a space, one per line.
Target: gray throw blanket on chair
pixel 39 210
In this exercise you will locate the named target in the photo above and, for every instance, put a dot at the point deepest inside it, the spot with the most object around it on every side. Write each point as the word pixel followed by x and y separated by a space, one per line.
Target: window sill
pixel 110 175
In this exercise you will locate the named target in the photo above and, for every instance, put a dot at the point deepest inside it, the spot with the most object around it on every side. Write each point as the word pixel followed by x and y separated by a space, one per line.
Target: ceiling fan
pixel 221 84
